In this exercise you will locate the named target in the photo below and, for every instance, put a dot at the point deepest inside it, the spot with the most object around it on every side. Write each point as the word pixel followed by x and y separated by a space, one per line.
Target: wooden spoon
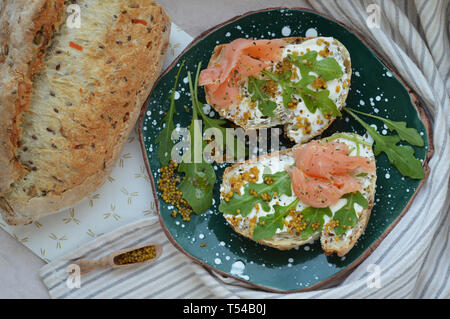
pixel 87 265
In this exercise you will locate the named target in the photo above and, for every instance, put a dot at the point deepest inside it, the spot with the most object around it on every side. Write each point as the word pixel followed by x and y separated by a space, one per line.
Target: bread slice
pixel 300 125
pixel 70 96
pixel 283 239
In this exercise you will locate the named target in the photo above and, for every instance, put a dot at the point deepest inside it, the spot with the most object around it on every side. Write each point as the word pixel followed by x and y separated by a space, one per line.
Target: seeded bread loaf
pixel 69 97
pixel 299 124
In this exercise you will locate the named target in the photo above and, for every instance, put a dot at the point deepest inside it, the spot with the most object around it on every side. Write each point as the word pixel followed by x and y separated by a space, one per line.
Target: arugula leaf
pixel 244 203
pixel 304 62
pixel 347 215
pixel 312 216
pixel 327 68
pixel 211 123
pixel 319 100
pixel 267 225
pixel 265 105
pixel 200 177
pixel 218 124
pixel 400 156
pixel 197 185
pixel 287 95
pixel 304 81
pixel 313 100
pixel 284 80
pixel 407 134
pixel 165 136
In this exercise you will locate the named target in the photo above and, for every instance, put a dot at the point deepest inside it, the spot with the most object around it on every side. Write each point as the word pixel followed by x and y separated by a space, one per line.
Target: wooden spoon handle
pixel 89 265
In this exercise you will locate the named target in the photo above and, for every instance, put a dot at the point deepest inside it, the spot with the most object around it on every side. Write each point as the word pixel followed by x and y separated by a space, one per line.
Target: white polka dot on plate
pixel 286 31
pixel 311 32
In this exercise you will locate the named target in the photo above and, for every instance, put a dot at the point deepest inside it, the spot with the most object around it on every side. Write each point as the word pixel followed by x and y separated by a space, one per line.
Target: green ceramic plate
pixel 375 88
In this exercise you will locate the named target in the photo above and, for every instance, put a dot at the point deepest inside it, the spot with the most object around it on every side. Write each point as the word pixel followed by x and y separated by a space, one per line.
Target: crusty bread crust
pixel 284 241
pixel 62 157
pixel 215 58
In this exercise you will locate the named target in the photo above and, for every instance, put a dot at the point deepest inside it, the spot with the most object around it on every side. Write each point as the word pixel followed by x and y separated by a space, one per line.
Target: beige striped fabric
pixel 414 258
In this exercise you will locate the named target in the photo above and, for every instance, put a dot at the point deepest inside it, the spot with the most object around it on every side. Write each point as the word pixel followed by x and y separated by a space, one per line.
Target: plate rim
pixel 423 113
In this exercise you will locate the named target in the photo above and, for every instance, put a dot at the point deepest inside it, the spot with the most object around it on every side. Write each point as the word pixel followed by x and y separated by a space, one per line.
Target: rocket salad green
pixel 400 156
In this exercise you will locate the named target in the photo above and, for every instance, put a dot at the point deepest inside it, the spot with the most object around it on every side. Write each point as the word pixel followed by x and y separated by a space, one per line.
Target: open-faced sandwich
pixel 301 83
pixel 324 188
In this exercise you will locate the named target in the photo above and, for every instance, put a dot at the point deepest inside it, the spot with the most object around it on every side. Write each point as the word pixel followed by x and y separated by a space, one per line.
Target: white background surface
pixel 18 266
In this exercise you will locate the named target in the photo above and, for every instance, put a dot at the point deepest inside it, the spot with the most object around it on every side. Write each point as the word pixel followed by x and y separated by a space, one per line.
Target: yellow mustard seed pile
pixel 234 220
pixel 171 194
pixel 271 87
pixel 252 224
pixel 331 225
pixel 298 223
pixel 236 182
pixel 326 51
pixel 266 197
pixel 319 83
pixel 286 65
pixel 247 116
pixel 253 193
pixel 136 256
pixel 293 104
pixel 304 124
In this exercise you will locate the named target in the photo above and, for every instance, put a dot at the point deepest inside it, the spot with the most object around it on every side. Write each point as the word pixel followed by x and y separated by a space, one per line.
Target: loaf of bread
pixel 70 96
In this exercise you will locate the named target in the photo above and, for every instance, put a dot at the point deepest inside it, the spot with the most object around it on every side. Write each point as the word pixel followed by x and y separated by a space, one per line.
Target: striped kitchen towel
pixel 414 258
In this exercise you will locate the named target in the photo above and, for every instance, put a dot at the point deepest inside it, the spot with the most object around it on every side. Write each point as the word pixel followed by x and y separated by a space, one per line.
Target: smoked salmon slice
pixel 238 60
pixel 324 172
pixel 320 192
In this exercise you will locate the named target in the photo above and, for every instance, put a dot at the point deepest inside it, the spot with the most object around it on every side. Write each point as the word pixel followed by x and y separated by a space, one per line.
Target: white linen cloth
pixel 414 258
